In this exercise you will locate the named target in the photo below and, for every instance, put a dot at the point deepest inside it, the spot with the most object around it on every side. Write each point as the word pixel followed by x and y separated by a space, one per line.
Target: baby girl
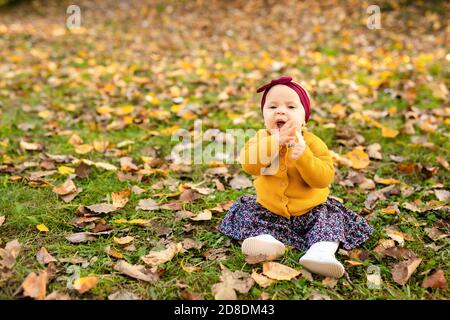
pixel 292 204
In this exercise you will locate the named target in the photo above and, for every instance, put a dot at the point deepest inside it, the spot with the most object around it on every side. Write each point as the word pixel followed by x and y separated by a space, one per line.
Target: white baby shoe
pixel 263 244
pixel 320 259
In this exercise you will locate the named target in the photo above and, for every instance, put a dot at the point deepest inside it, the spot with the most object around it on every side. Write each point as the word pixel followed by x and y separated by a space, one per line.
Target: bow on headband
pixel 287 81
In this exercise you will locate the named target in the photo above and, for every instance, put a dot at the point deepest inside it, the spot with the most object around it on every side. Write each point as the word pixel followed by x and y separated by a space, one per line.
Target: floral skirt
pixel 329 221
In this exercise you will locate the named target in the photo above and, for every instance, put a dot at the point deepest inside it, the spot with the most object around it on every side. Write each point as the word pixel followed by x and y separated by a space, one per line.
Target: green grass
pixel 25 206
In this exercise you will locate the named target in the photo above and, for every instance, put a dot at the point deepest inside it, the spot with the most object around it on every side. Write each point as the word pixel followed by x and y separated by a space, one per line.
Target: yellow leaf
pixel 170 130
pixel 388 132
pixel 106 166
pixel 75 139
pixel 100 145
pixel 389 210
pixel 359 158
pixel 65 170
pixel 140 222
pixel 85 284
pixel 104 110
pixel 278 271
pixel 83 148
pixel 42 227
pixel 387 181
pixel 124 110
pixel 45 114
pixel 123 240
pixel 120 221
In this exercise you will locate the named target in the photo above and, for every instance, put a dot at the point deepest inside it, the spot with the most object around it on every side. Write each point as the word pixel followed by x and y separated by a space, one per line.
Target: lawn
pixel 97 105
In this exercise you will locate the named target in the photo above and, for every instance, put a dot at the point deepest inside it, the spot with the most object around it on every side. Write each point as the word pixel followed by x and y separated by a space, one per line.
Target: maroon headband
pixel 287 81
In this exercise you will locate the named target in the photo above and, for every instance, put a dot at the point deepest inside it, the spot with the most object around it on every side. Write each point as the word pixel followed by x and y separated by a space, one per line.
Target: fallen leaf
pixel 83 148
pixel 30 146
pixel 240 182
pixel 442 195
pixel 384 244
pixel 399 253
pixel 262 280
pixel 231 281
pixel 120 199
pixel 402 271
pixel 123 240
pixel 43 257
pixel 42 227
pixel 123 295
pixel 329 282
pixel 35 286
pixel 396 235
pixel 113 253
pixel 80 237
pixel 203 216
pixel 65 170
pixel 373 151
pixel 359 159
pixel 278 271
pixel 137 190
pixel 189 195
pixel 436 280
pixel 67 187
pixel 435 234
pixel 56 295
pixel 9 254
pixel 136 271
pixel 259 258
pixel 189 243
pixel 147 205
pixel 216 254
pixel 2 220
pixel 187 295
pixel 155 258
pixel 140 222
pixel 101 208
pixel 84 284
pixel 388 181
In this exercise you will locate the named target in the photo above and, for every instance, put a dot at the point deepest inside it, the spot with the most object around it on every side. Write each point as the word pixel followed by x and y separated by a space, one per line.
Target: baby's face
pixel 282 104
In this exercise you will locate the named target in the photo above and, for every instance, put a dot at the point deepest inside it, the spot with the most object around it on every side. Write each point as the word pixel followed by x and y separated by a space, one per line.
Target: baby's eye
pixel 272 107
pixel 291 107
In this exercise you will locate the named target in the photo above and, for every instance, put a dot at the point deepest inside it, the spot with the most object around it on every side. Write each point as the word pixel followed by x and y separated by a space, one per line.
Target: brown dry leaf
pixel 442 195
pixel 262 280
pixel 399 253
pixel 9 254
pixel 113 253
pixel 137 190
pixel 56 295
pixel 174 205
pixel 216 254
pixel 123 240
pixel 329 282
pixel 374 151
pixel 435 234
pixel 136 271
pixel 221 207
pixel 402 271
pixel 120 199
pixel 35 286
pixel 43 257
pixel 187 295
pixel 123 295
pixel 101 208
pixel 230 283
pixel 240 182
pixel 69 197
pixel 189 195
pixel 147 205
pixel 183 214
pixel 84 284
pixel 436 280
pixel 443 162
pixel 259 258
pixel 384 244
pixel 155 258
pixel 2 220
pixel 398 236
pixel 278 271
pixel 189 243
pixel 203 216
pixel 106 166
pixel 80 237
pixel 126 164
pixel 75 140
pixel 318 296
pixel 67 187
pixel 30 146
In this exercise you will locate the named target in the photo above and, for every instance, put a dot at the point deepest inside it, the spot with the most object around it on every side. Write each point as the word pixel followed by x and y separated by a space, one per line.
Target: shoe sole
pixel 328 269
pixel 255 247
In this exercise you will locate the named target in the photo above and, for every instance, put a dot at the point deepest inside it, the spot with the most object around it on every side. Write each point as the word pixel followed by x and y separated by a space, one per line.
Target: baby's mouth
pixel 280 123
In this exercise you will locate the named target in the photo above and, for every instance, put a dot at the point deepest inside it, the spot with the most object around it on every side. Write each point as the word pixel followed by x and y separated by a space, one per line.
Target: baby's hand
pixel 286 133
pixel 299 147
